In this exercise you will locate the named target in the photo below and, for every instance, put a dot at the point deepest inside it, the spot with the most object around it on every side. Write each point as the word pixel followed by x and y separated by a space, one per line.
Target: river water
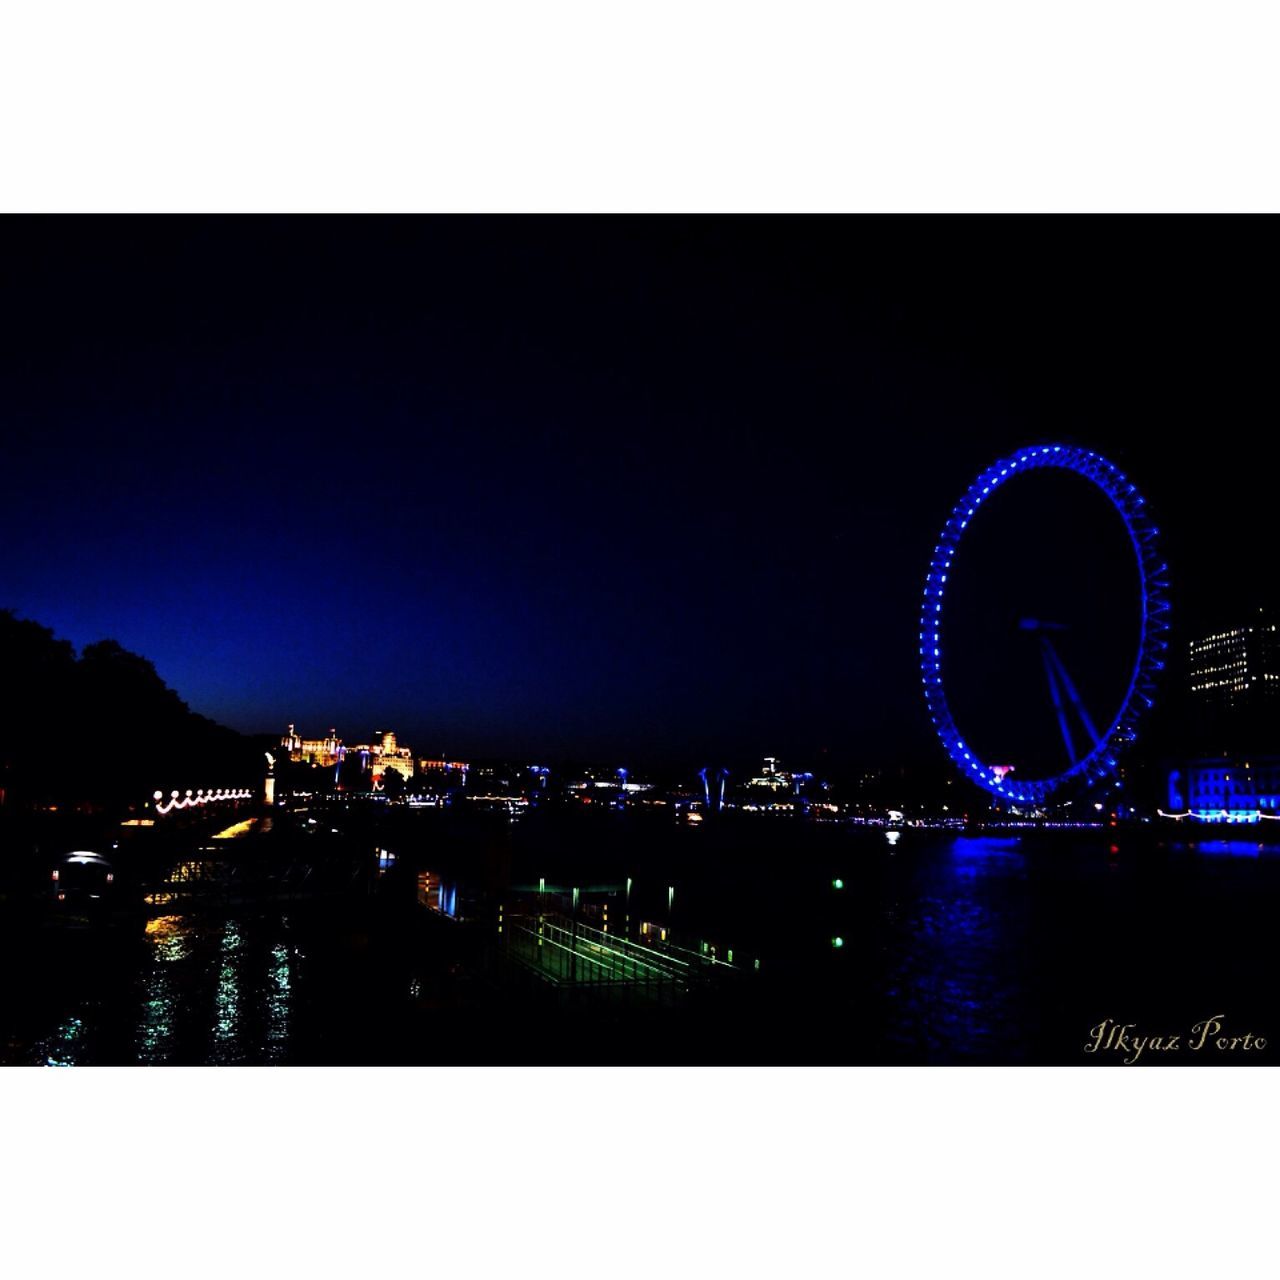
pixel 936 948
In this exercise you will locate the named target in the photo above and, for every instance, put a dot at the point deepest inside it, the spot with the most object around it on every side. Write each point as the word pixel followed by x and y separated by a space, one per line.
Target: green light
pixel 837 942
pixel 837 883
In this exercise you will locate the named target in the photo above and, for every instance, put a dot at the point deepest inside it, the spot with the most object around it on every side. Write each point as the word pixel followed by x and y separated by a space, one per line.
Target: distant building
pixel 772 778
pixel 1237 669
pixel 382 754
pixel 443 766
pixel 386 753
pixel 775 778
pixel 448 771
pixel 326 752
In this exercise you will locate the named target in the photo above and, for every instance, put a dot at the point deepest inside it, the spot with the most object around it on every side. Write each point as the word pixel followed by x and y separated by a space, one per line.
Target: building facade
pixel 446 771
pixel 325 752
pixel 1230 791
pixel 1239 668
pixel 385 753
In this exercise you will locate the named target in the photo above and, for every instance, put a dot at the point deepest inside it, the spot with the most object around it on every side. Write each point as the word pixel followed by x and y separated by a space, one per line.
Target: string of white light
pixel 201 797
pixel 1221 815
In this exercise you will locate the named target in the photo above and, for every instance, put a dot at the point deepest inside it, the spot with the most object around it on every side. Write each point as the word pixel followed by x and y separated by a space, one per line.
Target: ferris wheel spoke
pixel 1077 703
pixel 1045 654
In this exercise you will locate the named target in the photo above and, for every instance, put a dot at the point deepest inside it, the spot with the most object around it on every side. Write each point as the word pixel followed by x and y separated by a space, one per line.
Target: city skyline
pixel 436 640
pixel 461 649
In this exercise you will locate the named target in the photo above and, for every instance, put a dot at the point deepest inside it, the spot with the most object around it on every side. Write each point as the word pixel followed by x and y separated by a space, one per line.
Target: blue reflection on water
pixel 951 988
pixel 974 856
pixel 1235 848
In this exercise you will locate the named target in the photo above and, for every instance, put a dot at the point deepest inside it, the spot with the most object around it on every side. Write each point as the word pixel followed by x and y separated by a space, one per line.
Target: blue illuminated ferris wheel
pixel 1101 756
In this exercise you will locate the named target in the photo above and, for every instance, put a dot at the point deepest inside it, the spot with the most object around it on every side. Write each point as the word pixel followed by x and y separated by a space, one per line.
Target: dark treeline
pixel 102 729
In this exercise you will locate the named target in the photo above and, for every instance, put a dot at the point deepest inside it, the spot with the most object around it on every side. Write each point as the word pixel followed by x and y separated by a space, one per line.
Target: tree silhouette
pixel 103 730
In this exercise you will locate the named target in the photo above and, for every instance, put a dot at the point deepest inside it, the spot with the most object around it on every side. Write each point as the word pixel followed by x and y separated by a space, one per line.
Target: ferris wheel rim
pixel 1103 760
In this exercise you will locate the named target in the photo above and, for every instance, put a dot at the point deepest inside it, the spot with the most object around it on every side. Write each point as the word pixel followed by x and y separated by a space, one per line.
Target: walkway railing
pixel 569 954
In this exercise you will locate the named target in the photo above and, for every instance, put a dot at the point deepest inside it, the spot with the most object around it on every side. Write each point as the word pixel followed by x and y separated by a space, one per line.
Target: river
pixel 934 948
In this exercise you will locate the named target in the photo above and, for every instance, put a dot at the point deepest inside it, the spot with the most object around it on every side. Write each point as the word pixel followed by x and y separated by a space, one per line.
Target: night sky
pixel 640 490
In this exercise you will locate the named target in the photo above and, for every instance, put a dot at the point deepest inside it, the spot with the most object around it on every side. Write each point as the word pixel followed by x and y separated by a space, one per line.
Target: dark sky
pixel 636 489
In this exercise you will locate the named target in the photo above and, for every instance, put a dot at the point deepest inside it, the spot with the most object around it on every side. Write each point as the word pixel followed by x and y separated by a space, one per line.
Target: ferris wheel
pixel 1092 755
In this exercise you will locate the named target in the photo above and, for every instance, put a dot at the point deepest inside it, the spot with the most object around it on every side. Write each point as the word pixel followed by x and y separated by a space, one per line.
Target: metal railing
pixel 572 956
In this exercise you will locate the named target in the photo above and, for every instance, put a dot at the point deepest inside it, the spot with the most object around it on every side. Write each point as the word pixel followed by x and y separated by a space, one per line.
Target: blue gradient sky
pixel 654 488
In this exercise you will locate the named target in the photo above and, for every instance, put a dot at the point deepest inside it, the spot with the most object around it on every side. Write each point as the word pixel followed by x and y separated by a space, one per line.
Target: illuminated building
pixel 1222 790
pixel 1234 676
pixel 386 754
pixel 1238 668
pixel 446 769
pixel 379 756
pixel 773 778
pixel 776 779
pixel 326 752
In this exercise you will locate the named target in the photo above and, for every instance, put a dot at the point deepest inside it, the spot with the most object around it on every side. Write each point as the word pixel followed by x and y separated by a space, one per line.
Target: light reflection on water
pixel 226 1012
pixel 278 986
pixel 63 1048
pixel 1234 848
pixel 955 948
pixel 169 943
pixel 195 991
pixel 950 980
pixel 974 856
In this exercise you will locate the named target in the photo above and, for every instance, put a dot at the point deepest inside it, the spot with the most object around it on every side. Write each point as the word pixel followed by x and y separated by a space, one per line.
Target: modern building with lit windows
pixel 1234 678
pixel 1237 668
